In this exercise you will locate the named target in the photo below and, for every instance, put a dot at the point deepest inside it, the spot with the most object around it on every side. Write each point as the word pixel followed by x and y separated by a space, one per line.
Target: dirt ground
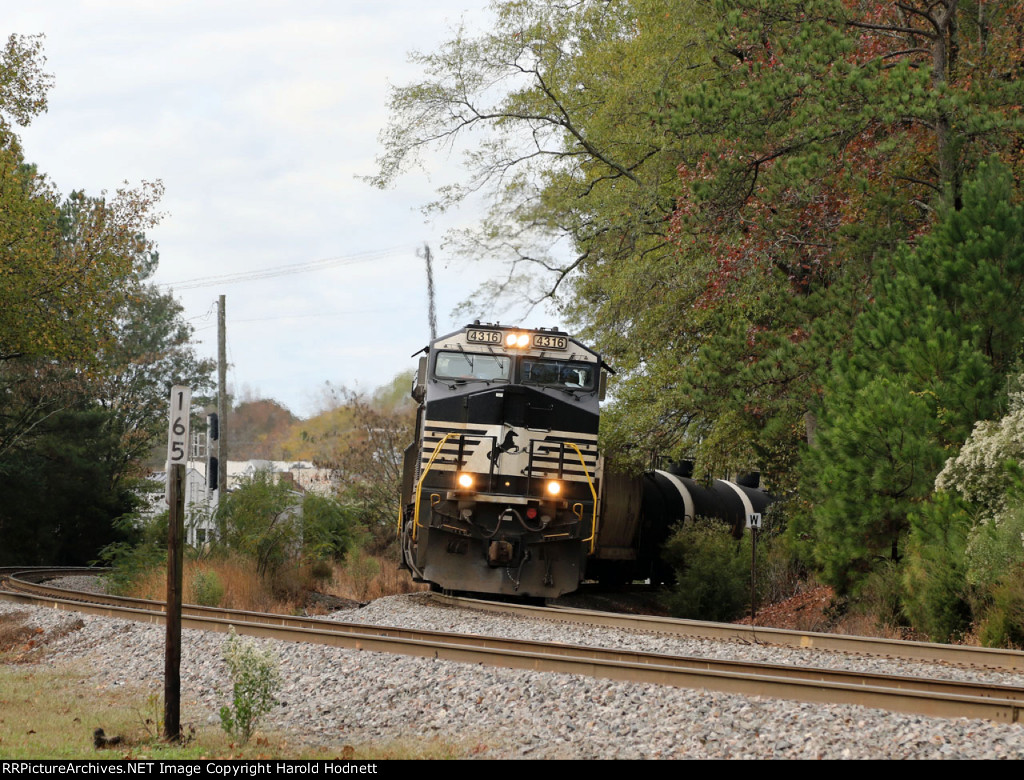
pixel 809 610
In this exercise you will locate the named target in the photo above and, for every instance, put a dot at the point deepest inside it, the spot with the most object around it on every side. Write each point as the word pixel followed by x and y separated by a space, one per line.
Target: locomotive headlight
pixel 517 340
pixel 465 481
pixel 554 488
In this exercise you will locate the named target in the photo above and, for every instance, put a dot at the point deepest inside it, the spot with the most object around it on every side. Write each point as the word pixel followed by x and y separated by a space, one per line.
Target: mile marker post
pixel 177 456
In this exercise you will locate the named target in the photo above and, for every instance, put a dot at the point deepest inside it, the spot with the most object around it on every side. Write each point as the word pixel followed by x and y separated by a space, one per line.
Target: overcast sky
pixel 258 117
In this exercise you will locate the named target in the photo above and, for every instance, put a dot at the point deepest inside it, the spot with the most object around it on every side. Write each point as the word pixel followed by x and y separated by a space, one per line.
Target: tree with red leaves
pixel 819 140
pixel 705 186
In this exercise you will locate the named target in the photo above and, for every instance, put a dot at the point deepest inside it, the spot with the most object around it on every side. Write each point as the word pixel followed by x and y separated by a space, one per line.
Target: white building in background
pixel 198 517
pixel 303 474
pixel 201 502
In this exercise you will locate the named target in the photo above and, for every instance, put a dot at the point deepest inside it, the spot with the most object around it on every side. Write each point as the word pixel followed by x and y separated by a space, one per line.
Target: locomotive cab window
pixel 558 373
pixel 466 367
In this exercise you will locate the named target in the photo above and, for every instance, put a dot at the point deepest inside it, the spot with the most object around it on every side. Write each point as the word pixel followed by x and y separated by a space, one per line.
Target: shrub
pixel 1003 623
pixel 712 571
pixel 995 546
pixel 262 521
pixel 361 569
pixel 972 559
pixel 780 570
pixel 995 567
pixel 878 599
pixel 330 528
pixel 988 461
pixel 129 564
pixel 935 592
pixel 321 570
pixel 255 681
pixel 207 590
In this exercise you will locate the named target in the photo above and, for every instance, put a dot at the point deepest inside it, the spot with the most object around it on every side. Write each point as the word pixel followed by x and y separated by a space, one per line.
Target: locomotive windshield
pixel 468 366
pixel 558 373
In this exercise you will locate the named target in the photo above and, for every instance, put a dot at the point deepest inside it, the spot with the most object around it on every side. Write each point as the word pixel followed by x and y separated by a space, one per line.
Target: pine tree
pixel 819 138
pixel 929 358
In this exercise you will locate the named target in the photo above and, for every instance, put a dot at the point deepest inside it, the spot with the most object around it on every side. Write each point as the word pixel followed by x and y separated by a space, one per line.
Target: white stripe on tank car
pixel 748 508
pixel 684 493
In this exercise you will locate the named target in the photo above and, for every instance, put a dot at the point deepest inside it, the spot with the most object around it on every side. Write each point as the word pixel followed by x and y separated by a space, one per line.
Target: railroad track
pixel 992 659
pixel 936 698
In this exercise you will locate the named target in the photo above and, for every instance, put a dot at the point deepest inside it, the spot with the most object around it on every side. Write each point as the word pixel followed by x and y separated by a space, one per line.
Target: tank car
pixel 504 490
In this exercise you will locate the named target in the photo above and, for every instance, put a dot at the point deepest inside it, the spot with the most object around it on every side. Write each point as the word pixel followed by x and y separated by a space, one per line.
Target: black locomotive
pixel 504 490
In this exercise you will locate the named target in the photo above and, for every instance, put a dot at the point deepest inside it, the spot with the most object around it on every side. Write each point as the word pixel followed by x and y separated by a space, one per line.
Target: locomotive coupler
pixel 500 553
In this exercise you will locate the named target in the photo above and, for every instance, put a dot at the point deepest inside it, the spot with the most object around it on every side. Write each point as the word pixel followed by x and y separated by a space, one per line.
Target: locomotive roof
pixel 497 326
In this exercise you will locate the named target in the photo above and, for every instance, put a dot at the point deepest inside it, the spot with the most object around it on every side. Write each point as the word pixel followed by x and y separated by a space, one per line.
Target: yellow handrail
pixel 419 485
pixel 593 493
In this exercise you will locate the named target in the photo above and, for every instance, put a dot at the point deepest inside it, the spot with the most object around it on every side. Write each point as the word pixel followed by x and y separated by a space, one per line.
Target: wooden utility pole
pixel 431 305
pixel 177 457
pixel 222 402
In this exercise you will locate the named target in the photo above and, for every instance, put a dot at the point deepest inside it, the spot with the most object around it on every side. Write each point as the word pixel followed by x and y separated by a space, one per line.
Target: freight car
pixel 504 490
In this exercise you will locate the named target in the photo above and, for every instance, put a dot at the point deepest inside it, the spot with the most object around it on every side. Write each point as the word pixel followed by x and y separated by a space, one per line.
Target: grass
pixel 49 712
pixel 360 577
pixel 358 580
pixel 242 588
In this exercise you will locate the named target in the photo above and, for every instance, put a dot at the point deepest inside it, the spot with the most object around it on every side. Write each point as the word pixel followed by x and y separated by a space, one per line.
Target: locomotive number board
pixel 545 341
pixel 483 337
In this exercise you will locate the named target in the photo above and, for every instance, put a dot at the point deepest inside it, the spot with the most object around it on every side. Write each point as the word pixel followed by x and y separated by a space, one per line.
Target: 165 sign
pixel 177 430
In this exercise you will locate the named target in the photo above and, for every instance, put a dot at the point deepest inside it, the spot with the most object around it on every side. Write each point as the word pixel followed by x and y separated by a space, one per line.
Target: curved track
pixel 994 659
pixel 937 698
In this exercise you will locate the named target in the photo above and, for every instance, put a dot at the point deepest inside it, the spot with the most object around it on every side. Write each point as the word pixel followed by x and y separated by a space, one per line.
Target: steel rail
pixel 994 659
pixel 936 698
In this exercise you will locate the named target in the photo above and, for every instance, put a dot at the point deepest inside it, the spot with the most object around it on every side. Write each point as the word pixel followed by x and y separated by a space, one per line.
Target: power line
pixel 283 270
pixel 206 316
pixel 299 317
pixel 306 316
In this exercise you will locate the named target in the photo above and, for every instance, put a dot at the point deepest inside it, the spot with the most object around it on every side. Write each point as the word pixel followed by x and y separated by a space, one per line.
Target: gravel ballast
pixel 336 697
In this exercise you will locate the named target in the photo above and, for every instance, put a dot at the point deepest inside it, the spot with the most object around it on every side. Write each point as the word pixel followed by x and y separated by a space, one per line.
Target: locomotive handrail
pixel 419 485
pixel 593 493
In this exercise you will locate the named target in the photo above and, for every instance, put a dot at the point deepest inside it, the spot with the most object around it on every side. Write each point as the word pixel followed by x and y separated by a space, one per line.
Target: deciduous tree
pixel 88 349
pixel 821 135
pixel 708 184
pixel 362 439
pixel 555 107
pixel 259 429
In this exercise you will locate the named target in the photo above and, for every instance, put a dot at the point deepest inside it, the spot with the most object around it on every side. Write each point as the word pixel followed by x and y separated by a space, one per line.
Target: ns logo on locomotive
pixel 504 490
